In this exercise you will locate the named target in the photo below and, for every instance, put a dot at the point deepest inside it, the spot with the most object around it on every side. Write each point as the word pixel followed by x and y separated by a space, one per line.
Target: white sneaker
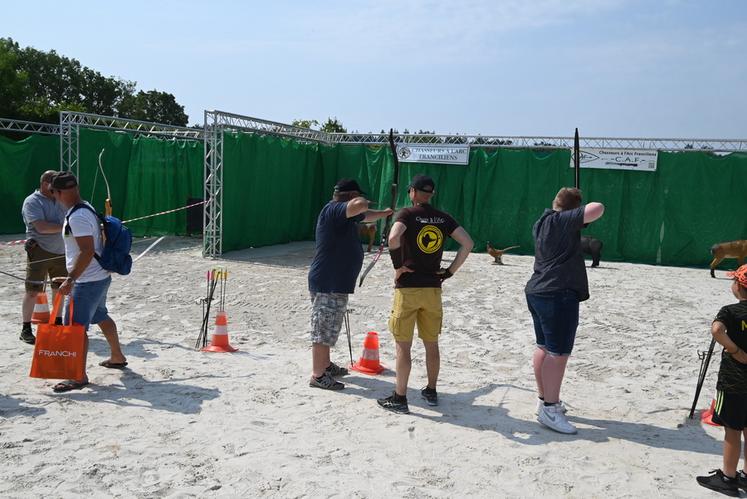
pixel 552 416
pixel 540 403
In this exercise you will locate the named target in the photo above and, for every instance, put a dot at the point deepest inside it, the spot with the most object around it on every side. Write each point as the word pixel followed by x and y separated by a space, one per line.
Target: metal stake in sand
pixel 347 330
pixel 705 359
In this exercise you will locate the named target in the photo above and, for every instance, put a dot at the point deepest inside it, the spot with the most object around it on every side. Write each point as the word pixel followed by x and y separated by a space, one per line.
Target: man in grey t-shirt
pixel 45 249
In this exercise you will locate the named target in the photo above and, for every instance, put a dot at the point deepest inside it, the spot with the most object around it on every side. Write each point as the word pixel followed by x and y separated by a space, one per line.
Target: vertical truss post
pixel 213 174
pixel 69 140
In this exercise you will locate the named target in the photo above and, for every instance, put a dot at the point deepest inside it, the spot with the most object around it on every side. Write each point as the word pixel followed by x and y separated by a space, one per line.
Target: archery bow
pixel 385 232
pixel 576 161
pixel 108 202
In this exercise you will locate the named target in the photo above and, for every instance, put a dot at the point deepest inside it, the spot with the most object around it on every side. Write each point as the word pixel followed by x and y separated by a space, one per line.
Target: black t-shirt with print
pixel 423 244
pixel 558 262
pixel 732 375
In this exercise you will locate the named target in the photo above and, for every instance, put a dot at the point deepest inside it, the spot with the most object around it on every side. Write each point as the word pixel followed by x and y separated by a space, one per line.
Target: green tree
pixel 333 125
pixel 36 85
pixel 153 105
pixel 12 80
pixel 310 124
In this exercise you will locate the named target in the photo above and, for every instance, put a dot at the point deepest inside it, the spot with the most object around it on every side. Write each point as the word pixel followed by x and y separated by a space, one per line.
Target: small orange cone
pixel 41 309
pixel 707 415
pixel 369 361
pixel 219 342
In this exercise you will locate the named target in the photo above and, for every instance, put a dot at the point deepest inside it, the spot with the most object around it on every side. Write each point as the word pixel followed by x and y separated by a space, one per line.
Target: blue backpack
pixel 117 242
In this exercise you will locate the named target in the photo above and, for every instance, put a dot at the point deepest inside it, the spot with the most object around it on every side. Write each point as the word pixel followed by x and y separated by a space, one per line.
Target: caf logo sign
pixel 430 239
pixel 404 152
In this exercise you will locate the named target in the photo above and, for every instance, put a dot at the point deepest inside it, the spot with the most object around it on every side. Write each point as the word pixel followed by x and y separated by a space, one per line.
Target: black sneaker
pixel 742 480
pixel 395 403
pixel 430 395
pixel 27 336
pixel 335 370
pixel 326 382
pixel 720 483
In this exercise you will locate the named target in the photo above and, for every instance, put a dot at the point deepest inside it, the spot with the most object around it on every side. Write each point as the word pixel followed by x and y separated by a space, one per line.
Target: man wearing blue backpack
pixel 87 282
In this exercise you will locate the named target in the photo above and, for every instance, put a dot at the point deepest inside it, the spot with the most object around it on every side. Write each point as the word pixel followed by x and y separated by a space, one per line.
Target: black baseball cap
pixel 347 184
pixel 422 183
pixel 64 180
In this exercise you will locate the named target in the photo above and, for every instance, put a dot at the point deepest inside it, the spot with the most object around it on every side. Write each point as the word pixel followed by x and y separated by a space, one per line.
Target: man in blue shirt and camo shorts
pixel 337 262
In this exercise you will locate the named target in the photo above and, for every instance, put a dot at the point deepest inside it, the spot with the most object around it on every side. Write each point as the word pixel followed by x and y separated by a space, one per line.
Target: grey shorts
pixel 327 312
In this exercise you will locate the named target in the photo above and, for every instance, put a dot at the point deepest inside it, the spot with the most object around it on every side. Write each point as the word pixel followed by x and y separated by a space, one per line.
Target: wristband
pixel 396 255
pixel 445 274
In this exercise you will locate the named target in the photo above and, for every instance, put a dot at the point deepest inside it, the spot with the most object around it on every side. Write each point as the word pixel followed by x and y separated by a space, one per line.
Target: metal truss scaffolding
pixel 12 125
pixel 71 122
pixel 218 122
pixel 494 141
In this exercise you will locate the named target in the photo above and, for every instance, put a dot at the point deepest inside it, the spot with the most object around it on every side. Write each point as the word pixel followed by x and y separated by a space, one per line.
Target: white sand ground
pixel 181 423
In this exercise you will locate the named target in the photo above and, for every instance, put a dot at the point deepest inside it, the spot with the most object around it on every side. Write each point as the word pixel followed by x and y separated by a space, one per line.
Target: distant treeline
pixel 36 85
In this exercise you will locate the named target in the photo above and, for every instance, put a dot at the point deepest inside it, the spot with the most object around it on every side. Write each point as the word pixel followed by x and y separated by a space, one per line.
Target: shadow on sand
pixel 460 409
pixel 135 391
pixel 11 407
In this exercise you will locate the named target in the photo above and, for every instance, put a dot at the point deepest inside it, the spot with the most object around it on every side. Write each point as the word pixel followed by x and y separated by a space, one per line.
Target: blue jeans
pixel 89 302
pixel 555 318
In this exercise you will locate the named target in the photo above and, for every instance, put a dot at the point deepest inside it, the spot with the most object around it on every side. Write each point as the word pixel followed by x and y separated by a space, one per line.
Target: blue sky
pixel 638 68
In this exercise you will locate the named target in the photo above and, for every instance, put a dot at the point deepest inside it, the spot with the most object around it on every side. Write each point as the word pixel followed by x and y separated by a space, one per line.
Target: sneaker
pixel 395 403
pixel 552 416
pixel 540 403
pixel 742 480
pixel 325 382
pixel 27 336
pixel 430 395
pixel 335 370
pixel 720 483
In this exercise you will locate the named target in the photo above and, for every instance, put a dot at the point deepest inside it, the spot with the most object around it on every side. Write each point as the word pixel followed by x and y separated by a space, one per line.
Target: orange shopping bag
pixel 59 350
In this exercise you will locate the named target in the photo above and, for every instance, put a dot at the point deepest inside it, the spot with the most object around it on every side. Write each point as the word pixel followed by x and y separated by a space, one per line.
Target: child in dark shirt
pixel 730 330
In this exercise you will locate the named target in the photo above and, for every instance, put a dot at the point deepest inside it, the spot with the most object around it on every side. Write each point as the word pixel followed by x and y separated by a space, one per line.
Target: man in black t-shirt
pixel 416 244
pixel 337 261
pixel 729 329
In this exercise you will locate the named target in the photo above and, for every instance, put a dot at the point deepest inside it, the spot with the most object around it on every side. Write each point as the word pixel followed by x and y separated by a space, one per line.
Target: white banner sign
pixel 618 159
pixel 429 153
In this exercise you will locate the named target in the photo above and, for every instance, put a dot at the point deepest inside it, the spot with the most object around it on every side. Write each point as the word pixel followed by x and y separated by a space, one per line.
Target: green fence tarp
pixel 671 216
pixel 21 164
pixel 273 190
pixel 146 175
pixel 162 175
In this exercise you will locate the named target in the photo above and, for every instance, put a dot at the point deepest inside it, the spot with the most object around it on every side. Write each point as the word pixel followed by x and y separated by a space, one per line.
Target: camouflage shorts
pixel 327 311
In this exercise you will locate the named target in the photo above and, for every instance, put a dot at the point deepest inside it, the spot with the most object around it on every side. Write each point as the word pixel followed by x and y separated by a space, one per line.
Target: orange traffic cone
pixel 41 309
pixel 219 342
pixel 707 415
pixel 369 361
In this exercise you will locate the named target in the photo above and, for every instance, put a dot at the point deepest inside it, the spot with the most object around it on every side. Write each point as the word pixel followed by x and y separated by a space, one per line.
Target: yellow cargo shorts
pixel 416 305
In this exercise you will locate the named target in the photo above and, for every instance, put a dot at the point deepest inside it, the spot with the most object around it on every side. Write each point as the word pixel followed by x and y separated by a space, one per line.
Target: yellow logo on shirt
pixel 430 239
pixel 744 325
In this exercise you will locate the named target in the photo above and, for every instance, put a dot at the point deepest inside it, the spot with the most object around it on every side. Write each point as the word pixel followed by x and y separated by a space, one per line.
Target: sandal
pixel 113 365
pixel 66 386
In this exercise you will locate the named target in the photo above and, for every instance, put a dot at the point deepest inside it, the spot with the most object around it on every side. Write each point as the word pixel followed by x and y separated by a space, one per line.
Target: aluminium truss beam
pixel 137 127
pixel 488 141
pixel 237 122
pixel 71 122
pixel 24 126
